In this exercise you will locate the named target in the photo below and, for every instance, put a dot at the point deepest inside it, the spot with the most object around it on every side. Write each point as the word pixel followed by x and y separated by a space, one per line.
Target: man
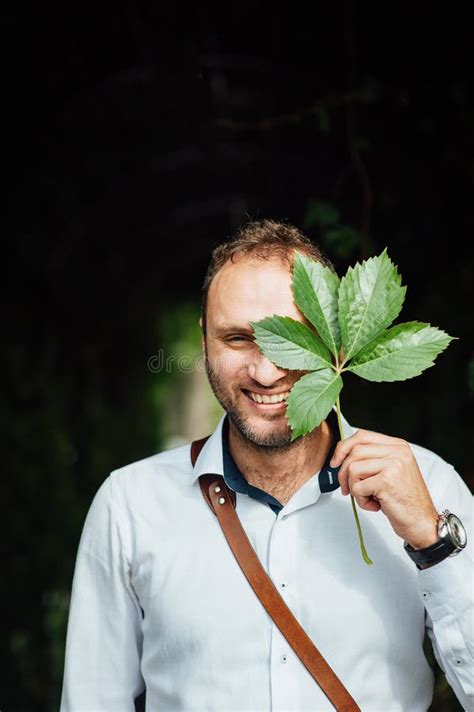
pixel 158 599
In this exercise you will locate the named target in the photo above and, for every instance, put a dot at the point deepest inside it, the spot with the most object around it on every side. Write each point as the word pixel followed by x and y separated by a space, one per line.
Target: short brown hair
pixel 262 239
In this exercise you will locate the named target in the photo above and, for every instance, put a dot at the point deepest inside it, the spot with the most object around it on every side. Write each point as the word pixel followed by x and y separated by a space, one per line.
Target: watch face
pixel 457 531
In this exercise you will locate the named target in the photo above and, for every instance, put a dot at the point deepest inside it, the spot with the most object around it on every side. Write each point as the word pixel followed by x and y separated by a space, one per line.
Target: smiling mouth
pixel 276 399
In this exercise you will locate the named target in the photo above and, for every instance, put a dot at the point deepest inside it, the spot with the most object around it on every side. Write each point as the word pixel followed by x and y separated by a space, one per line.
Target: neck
pixel 281 472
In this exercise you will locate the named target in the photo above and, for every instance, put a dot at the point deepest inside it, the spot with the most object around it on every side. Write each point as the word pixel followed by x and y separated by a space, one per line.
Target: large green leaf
pixel 311 399
pixel 315 289
pixel 370 298
pixel 399 353
pixel 290 344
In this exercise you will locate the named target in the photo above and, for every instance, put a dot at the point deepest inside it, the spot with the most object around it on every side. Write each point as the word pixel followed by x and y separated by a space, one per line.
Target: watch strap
pixel 431 554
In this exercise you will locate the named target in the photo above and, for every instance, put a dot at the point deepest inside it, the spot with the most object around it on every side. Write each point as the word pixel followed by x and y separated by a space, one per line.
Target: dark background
pixel 138 138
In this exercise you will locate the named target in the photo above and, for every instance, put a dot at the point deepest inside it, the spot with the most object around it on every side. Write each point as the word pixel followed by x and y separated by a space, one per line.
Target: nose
pixel 262 370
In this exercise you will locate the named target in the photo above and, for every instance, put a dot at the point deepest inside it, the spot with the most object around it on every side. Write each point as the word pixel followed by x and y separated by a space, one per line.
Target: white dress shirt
pixel 158 600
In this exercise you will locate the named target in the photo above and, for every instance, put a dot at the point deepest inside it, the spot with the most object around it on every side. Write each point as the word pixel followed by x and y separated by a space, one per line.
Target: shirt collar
pixel 211 460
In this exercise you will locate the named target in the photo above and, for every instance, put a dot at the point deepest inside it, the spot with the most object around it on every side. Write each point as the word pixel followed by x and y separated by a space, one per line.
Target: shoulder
pixel 139 479
pixel 174 458
pixel 447 487
pixel 158 469
pixel 128 492
pixel 428 461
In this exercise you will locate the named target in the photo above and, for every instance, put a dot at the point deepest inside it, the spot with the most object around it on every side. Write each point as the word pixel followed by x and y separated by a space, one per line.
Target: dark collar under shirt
pixel 328 476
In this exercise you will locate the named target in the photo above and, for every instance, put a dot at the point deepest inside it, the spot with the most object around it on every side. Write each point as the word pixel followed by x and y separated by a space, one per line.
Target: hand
pixel 382 474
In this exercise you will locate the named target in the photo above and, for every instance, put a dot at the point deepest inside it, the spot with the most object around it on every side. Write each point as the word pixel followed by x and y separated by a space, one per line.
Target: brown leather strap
pixel 222 502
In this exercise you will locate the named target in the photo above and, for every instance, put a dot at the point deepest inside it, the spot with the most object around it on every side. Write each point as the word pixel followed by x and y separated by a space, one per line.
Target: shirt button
pixel 283 659
pixel 458 661
pixel 284 516
pixel 426 594
pixel 283 585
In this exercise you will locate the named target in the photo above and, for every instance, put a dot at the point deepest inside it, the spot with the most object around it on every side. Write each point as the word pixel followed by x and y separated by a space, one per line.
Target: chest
pixel 193 592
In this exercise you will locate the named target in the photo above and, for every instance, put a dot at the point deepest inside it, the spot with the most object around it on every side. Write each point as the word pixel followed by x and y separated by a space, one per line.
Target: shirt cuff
pixel 446 587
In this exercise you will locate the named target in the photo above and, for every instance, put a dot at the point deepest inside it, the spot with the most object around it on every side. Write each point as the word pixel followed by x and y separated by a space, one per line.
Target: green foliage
pixel 350 318
pixel 370 298
pixel 311 399
pixel 291 344
pixel 322 214
pixel 341 240
pixel 323 122
pixel 470 377
pixel 176 366
pixel 318 303
pixel 400 352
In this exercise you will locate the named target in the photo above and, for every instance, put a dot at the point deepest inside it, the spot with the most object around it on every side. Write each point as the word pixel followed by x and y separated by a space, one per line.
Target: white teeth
pixel 269 399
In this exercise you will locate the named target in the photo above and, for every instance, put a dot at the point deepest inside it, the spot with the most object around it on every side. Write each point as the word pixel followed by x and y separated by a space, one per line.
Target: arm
pixel 103 646
pixel 447 589
pixel 382 473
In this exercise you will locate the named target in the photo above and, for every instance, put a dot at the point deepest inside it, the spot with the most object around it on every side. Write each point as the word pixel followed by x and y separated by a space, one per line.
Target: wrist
pixel 451 539
pixel 427 537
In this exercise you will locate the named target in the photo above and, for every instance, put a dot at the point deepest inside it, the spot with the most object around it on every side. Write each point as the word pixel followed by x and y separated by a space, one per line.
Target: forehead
pixel 248 290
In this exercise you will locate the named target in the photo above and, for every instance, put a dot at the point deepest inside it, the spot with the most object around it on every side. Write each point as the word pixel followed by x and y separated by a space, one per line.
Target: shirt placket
pixel 283 567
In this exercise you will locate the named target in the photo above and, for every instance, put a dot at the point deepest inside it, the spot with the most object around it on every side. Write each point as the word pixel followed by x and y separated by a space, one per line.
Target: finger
pixel 359 470
pixel 366 493
pixel 369 487
pixel 367 452
pixel 368 503
pixel 362 437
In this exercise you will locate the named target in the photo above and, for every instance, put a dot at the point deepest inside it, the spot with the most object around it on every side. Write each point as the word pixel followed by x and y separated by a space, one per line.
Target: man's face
pixel 239 374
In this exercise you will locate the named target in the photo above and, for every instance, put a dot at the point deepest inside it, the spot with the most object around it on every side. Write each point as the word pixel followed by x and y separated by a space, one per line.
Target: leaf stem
pixel 363 550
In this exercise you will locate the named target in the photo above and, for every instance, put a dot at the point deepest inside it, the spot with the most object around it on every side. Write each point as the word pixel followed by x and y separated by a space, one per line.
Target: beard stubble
pixel 280 442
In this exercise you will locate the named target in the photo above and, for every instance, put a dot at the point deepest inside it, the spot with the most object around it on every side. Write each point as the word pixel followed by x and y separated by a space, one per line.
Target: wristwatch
pixel 452 540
